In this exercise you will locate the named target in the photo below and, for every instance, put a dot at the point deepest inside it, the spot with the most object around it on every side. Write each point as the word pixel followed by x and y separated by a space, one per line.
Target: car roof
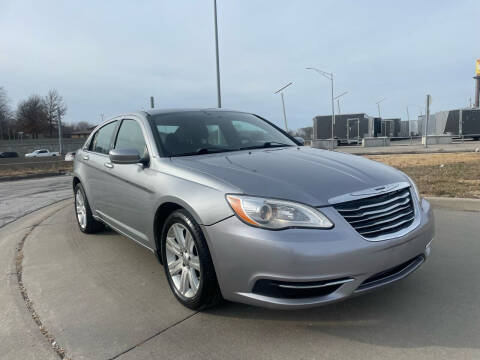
pixel 179 110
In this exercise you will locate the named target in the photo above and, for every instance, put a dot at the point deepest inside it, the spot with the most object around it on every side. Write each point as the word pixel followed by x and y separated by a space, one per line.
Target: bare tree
pixel 32 116
pixel 6 118
pixel 55 107
pixel 306 132
pixel 82 125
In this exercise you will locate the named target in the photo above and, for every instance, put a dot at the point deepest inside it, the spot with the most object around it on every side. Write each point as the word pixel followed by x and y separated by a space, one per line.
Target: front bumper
pixel 243 255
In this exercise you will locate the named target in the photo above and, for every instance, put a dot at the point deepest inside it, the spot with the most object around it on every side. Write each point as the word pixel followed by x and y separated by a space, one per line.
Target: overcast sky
pixel 111 56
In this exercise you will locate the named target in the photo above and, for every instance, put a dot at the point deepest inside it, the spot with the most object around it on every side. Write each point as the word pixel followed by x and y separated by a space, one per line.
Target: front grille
pixel 379 215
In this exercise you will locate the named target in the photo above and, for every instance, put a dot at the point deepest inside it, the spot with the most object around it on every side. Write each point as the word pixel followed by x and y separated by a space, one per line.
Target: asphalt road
pixel 21 197
pixel 104 297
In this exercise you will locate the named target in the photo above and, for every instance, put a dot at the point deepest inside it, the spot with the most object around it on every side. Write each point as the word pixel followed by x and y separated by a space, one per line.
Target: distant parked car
pixel 41 153
pixel 8 154
pixel 70 156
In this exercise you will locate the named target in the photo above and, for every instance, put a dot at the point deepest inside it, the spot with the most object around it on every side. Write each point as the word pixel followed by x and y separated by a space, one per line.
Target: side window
pixel 92 141
pixel 102 139
pixel 130 136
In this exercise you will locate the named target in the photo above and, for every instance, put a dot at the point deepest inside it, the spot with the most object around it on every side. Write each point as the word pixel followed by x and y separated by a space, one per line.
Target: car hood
pixel 302 174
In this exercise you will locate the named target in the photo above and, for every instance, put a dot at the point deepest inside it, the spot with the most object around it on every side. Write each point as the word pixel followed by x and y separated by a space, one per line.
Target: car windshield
pixel 203 132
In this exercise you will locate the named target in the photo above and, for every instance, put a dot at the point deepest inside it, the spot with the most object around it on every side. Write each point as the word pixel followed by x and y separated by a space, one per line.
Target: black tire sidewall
pixel 92 225
pixel 208 283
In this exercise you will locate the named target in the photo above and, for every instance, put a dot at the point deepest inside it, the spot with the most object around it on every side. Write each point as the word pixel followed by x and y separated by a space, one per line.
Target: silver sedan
pixel 235 208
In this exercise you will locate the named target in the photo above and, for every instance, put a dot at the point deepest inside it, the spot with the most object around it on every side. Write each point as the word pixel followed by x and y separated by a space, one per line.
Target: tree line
pixel 37 116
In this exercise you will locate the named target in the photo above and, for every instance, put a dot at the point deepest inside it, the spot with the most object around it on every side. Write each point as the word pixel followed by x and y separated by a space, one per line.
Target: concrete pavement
pixel 404 147
pixel 104 297
pixel 21 197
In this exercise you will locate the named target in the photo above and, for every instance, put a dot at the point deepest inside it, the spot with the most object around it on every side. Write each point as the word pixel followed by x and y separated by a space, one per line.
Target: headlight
pixel 276 214
pixel 414 187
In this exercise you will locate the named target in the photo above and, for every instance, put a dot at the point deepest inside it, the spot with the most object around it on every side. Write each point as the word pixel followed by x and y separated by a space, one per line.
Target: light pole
pixel 338 100
pixel 219 97
pixel 378 105
pixel 283 103
pixel 60 142
pixel 329 76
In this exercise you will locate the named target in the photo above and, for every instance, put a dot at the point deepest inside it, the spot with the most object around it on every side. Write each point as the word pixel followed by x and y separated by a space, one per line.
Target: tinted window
pixel 102 139
pixel 190 132
pixel 130 136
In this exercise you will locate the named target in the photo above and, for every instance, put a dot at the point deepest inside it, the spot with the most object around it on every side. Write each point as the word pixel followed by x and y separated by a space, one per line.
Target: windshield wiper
pixel 267 144
pixel 205 150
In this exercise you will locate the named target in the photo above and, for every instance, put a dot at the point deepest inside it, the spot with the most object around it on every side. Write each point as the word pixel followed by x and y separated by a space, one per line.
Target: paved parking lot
pixel 21 197
pixel 104 297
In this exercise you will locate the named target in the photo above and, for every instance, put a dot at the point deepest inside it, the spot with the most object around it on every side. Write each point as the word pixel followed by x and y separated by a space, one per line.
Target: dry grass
pixel 9 170
pixel 440 174
pixel 443 174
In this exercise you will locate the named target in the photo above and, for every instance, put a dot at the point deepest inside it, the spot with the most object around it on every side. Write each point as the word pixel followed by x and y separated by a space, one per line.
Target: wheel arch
pixel 168 206
pixel 75 181
pixel 163 211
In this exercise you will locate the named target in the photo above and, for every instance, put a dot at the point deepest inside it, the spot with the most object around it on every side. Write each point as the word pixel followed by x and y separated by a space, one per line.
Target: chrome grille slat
pixel 384 221
pixel 388 227
pixel 405 207
pixel 405 194
pixel 381 215
pixel 405 202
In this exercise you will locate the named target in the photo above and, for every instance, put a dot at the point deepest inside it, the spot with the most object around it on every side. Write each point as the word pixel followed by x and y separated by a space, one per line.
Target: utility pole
pixel 427 117
pixel 152 102
pixel 60 142
pixel 338 100
pixel 284 113
pixel 283 103
pixel 329 76
pixel 378 106
pixel 219 97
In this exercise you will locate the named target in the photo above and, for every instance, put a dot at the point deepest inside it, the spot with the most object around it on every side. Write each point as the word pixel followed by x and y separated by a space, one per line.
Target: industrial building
pixel 458 122
pixel 354 127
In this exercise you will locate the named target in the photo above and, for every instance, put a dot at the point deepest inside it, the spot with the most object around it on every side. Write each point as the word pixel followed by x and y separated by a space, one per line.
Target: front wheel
pixel 85 219
pixel 187 262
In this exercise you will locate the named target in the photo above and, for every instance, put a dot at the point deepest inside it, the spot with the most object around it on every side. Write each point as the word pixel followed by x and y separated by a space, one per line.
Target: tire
pixel 86 223
pixel 192 280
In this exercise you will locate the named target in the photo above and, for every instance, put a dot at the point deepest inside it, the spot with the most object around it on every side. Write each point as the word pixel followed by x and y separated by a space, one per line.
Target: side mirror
pixel 300 140
pixel 124 156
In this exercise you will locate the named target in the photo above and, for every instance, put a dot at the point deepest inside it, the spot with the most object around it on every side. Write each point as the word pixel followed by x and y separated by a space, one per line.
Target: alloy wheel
pixel 183 261
pixel 81 209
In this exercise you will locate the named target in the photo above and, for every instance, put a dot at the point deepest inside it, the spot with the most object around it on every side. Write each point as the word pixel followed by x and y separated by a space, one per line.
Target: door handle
pixel 108 165
pixel 85 157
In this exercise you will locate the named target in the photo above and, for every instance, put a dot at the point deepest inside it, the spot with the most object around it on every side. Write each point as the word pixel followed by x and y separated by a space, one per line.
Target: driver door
pixel 130 200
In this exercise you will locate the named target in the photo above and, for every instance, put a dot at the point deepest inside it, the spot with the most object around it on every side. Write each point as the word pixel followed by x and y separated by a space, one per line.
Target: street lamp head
pixel 283 87
pixel 339 96
pixel 321 72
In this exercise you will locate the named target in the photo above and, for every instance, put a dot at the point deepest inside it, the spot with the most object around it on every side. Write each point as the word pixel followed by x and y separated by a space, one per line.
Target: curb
pixel 459 204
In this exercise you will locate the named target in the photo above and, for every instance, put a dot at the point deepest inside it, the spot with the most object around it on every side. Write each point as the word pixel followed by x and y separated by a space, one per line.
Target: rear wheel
pixel 187 262
pixel 85 220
